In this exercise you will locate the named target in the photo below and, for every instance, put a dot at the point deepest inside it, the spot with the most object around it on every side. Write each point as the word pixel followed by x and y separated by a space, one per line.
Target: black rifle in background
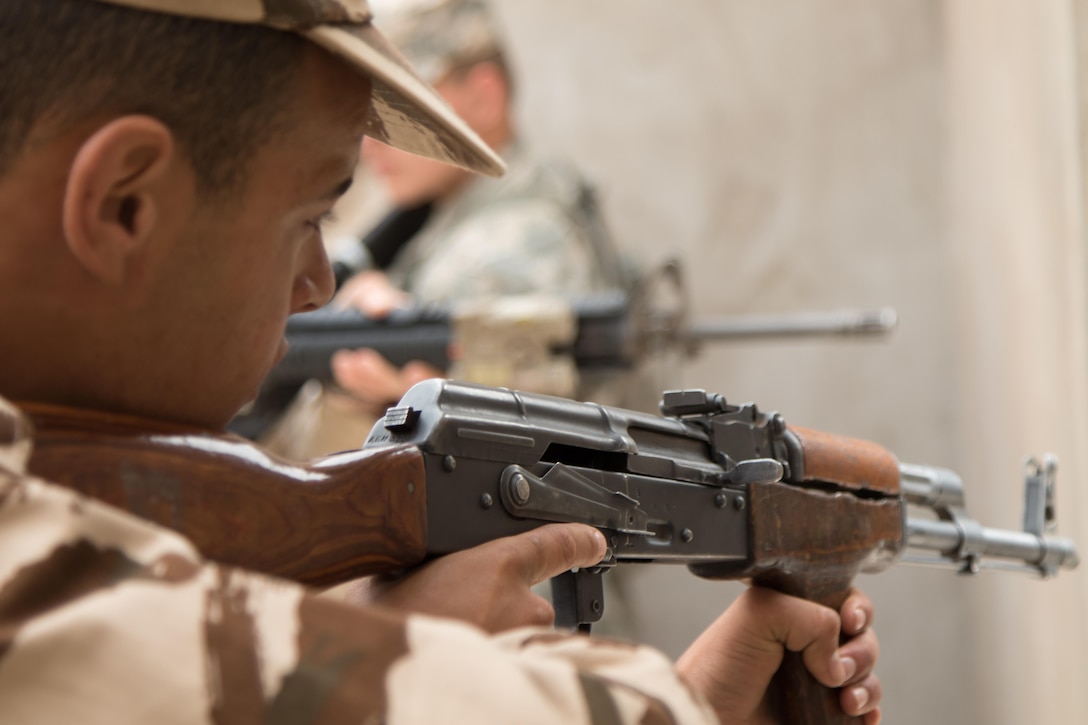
pixel 610 332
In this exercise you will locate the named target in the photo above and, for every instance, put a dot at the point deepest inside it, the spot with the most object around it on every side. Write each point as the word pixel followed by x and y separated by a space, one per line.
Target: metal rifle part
pixel 801 324
pixel 661 304
pixel 693 486
pixel 964 543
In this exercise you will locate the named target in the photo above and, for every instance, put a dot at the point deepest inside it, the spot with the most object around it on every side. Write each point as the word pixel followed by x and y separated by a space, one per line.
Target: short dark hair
pixel 220 87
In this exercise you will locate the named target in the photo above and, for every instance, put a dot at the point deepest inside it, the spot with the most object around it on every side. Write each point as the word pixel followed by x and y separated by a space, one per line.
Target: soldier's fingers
pixel 365 359
pixel 371 293
pixel 851 667
pixel 367 374
pixel 733 661
pixel 550 550
pixel 863 650
pixel 857 613
pixel 537 611
pixel 862 698
pixel 416 371
pixel 813 631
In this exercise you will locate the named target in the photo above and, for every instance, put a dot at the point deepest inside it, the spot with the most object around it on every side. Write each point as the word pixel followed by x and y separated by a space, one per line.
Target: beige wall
pixel 1017 236
pixel 815 154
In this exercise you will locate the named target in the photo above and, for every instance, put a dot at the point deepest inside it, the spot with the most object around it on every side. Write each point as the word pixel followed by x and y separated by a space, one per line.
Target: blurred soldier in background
pixel 453 236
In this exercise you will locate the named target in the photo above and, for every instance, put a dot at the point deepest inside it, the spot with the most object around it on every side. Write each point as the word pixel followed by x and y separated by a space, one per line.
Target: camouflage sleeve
pixel 517 247
pixel 535 676
pixel 107 619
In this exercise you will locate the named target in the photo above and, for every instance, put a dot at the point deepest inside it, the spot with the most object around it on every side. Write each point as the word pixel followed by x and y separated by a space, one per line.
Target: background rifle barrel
pixel 804 324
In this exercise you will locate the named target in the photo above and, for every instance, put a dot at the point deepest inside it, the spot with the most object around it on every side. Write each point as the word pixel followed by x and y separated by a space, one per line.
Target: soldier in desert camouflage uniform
pixel 132 286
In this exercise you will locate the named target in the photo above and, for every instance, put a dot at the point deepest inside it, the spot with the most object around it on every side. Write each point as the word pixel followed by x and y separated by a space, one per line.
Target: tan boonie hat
pixel 405 112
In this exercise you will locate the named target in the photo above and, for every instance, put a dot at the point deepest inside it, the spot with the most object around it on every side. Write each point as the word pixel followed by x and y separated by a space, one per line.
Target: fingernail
pixel 859 613
pixel 861 695
pixel 849 667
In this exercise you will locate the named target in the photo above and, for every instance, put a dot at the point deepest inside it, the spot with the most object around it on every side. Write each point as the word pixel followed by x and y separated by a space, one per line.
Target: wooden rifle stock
pixel 343 517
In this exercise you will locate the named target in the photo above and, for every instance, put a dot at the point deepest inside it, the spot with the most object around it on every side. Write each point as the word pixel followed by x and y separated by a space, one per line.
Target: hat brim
pixel 406 113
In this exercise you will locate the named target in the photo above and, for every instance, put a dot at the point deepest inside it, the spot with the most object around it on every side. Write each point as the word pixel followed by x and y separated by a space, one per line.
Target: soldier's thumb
pixel 550 550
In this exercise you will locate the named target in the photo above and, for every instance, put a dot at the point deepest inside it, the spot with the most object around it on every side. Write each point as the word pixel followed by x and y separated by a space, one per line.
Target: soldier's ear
pixel 113 196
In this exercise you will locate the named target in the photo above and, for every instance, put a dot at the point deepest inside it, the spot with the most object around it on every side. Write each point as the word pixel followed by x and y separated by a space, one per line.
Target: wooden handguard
pixel 345 516
pixel 847 462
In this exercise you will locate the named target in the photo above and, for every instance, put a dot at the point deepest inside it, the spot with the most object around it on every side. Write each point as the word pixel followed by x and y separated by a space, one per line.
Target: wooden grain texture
pixel 812 544
pixel 847 462
pixel 343 517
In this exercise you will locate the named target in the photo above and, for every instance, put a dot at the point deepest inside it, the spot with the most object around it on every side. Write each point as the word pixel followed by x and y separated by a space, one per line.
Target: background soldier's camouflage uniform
pixel 536 230
pixel 105 618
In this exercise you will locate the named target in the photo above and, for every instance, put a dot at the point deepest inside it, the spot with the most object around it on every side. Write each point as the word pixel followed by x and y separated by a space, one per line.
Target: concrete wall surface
pixel 819 154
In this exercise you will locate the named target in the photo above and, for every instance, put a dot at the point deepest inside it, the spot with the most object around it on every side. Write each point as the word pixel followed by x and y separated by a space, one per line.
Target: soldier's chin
pixel 251 395
pixel 281 352
pixel 277 357
pixel 246 407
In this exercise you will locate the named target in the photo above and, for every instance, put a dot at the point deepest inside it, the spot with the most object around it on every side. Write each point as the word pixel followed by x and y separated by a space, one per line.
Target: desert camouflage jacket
pixel 105 618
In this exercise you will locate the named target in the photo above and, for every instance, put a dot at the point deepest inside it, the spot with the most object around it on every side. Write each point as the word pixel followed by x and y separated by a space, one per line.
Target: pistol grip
pixel 800 699
pixel 811 545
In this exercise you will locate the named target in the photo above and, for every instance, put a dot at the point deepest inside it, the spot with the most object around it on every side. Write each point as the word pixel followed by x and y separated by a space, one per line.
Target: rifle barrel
pixel 1031 552
pixel 878 321
pixel 961 541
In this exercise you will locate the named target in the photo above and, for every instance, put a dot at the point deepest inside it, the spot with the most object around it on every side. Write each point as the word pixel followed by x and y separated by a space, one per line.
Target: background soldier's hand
pixel 375 381
pixel 733 661
pixel 371 293
pixel 490 585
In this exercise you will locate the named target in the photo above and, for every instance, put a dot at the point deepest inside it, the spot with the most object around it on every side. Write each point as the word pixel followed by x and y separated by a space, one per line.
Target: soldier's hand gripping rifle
pixel 730 491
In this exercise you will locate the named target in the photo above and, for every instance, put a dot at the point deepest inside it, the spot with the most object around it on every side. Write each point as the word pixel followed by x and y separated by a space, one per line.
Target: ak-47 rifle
pixel 728 490
pixel 526 342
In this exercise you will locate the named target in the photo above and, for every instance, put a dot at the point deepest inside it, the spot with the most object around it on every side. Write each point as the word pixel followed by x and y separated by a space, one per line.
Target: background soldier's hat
pixel 440 36
pixel 405 111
